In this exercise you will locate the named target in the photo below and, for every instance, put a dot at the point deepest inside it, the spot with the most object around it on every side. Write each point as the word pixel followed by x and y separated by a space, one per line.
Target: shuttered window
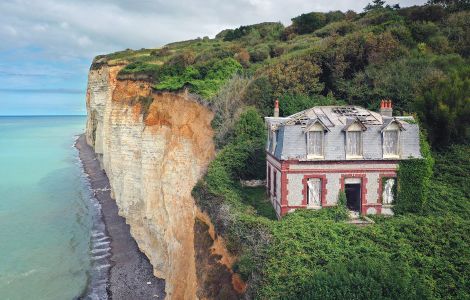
pixel 314 192
pixel 354 143
pixel 391 142
pixel 315 143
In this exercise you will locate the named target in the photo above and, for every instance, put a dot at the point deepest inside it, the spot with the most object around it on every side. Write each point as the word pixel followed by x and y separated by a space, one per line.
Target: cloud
pixel 86 28
pixel 47 45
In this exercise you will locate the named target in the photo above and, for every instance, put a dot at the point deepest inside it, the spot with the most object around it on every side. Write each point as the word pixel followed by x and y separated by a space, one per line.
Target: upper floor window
pixel 391 141
pixel 354 143
pixel 315 143
pixel 315 140
pixel 354 140
pixel 272 140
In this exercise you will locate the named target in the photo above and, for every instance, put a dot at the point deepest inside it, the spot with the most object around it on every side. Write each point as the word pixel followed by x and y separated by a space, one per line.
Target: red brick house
pixel 314 154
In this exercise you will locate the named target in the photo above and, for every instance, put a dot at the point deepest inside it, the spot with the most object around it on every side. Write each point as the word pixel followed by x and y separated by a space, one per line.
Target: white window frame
pixel 316 128
pixel 361 142
pixel 388 129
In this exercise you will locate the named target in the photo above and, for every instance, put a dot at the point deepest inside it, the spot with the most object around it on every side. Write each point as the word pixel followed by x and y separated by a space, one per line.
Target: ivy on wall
pixel 414 180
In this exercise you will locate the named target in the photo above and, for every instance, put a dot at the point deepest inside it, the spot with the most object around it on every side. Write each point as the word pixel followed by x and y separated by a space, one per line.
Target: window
pixel 269 180
pixel 315 143
pixel 273 138
pixel 390 142
pixel 354 143
pixel 275 184
pixel 314 192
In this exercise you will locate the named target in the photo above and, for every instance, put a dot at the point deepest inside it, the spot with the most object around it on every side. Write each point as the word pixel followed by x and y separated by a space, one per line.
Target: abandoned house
pixel 316 153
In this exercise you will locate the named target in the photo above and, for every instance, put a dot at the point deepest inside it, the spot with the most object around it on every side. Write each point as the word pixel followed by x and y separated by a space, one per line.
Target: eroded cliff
pixel 154 147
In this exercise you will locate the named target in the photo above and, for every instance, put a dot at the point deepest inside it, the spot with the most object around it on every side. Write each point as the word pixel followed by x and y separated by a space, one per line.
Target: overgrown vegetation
pixel 414 181
pixel 416 56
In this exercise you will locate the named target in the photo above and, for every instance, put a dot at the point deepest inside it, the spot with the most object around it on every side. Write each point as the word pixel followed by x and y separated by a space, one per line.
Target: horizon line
pixel 67 115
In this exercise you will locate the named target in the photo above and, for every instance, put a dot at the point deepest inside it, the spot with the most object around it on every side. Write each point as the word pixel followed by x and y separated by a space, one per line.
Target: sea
pixel 53 243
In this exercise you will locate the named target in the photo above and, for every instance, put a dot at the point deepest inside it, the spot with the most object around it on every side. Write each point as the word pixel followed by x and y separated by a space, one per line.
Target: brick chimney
pixel 386 109
pixel 276 108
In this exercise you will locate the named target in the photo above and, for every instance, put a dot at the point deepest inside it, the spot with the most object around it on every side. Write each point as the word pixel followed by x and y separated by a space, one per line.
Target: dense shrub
pixel 260 94
pixel 259 53
pixel 313 257
pixel 307 23
pixel 204 80
pixel 228 105
pixel 445 109
pixel 422 31
pixel 290 104
pixel 298 75
pixel 151 70
pixel 414 181
pixel 457 29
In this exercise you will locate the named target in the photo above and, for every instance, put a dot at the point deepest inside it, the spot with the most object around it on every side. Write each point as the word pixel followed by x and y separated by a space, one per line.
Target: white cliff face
pixel 152 163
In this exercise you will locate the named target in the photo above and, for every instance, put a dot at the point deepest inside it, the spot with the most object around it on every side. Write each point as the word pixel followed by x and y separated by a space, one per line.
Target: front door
pixel 353 196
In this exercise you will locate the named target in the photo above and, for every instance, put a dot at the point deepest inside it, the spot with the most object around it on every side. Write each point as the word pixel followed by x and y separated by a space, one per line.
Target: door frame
pixel 363 177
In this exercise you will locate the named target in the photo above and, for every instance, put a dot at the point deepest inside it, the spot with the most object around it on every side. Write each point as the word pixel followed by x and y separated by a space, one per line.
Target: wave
pixel 98 276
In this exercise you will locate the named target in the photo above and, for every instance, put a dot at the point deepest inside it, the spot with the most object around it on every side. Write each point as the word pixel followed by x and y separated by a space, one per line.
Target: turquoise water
pixel 46 212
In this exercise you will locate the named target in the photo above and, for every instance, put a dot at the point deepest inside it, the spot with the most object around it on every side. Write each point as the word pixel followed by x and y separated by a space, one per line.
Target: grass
pixel 256 197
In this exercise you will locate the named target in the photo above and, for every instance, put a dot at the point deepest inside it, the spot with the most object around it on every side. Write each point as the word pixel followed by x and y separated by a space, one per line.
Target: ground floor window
pixel 314 192
pixel 275 183
pixel 389 188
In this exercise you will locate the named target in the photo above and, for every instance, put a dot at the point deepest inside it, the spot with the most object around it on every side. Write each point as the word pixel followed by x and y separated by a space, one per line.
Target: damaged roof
pixel 291 137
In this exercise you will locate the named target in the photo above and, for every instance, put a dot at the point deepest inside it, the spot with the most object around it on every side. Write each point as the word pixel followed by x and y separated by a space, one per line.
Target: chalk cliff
pixel 154 147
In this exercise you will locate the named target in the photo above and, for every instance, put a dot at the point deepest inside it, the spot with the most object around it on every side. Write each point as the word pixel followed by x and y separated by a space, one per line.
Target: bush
pixel 297 76
pixel 227 106
pixel 259 93
pixel 204 80
pixel 414 181
pixel 291 104
pixel 444 109
pixel 367 278
pixel 307 23
pixel 422 31
pixel 146 69
pixel 243 57
pixel 259 53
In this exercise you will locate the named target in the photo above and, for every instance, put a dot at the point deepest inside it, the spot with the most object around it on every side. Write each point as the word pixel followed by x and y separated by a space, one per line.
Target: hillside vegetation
pixel 416 56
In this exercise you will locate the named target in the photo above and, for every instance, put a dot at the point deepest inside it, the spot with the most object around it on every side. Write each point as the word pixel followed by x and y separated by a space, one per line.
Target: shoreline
pixel 130 270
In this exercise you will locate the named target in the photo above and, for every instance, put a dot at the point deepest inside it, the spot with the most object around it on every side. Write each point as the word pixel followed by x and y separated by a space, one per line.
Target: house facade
pixel 316 153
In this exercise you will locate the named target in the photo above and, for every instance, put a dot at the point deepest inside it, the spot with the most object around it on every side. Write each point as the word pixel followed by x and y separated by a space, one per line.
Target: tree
pixel 306 23
pixel 259 93
pixel 296 76
pixel 376 4
pixel 445 110
pixel 452 5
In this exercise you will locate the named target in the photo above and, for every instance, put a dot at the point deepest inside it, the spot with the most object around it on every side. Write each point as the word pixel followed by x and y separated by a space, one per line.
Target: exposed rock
pixel 152 165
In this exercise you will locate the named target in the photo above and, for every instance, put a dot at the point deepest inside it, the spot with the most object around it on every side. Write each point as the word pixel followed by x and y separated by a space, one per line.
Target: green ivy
pixel 414 180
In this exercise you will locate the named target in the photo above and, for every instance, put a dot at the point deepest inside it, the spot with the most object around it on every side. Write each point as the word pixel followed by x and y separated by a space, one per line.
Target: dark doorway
pixel 353 196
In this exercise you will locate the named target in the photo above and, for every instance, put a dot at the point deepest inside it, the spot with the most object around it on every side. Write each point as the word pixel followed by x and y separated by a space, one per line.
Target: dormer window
pixel 315 143
pixel 272 140
pixel 354 139
pixel 391 141
pixel 315 135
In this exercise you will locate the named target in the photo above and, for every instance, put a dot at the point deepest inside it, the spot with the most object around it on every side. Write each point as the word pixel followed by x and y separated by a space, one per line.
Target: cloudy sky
pixel 47 45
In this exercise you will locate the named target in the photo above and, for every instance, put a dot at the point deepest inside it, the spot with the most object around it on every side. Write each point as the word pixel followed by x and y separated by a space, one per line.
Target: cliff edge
pixel 154 147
